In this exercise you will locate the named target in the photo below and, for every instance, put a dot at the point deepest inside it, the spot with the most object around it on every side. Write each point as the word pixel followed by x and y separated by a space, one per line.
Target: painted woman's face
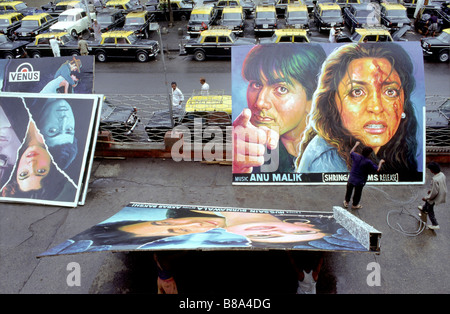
pixel 57 123
pixel 34 165
pixel 370 99
pixel 277 232
pixel 174 226
pixel 280 106
pixel 9 142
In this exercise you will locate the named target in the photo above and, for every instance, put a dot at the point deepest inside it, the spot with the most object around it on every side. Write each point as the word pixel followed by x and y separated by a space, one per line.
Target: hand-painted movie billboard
pixel 45 146
pixel 154 227
pixel 298 109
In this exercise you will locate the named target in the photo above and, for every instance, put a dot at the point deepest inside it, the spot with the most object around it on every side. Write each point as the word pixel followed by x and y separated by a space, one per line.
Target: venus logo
pixel 24 73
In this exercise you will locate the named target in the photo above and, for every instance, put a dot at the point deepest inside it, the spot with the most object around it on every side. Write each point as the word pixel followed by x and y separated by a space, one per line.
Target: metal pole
pixel 165 78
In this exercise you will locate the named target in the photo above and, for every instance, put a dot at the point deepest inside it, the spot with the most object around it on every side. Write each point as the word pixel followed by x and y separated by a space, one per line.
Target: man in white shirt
pixel 333 33
pixel 177 95
pixel 205 86
pixel 54 43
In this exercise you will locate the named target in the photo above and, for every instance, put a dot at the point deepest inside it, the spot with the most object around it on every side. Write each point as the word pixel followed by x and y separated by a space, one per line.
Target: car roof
pixel 115 2
pixel 372 31
pixel 118 33
pixel 11 2
pixel 72 11
pixel 9 15
pixel 136 13
pixel 202 10
pixel 235 9
pixel 266 8
pixel 296 7
pixel 37 16
pixel 216 31
pixel 447 30
pixel 393 6
pixel 329 6
pixel 209 103
pixel 291 31
pixel 51 34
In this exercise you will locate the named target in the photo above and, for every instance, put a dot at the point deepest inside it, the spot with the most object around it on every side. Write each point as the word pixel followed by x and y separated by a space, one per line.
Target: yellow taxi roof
pixel 37 16
pixel 201 10
pixel 233 9
pixel 117 2
pixel 372 31
pixel 216 32
pixel 9 15
pixel 447 30
pixel 265 8
pixel 51 34
pixel 296 7
pixel 393 6
pixel 136 14
pixel 117 34
pixel 13 3
pixel 209 103
pixel 291 31
pixel 329 6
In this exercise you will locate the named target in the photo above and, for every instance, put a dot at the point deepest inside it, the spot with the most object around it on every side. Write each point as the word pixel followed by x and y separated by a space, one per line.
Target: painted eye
pixel 282 90
pixel 391 92
pixel 52 131
pixel 357 92
pixel 23 174
pixel 255 85
pixel 41 171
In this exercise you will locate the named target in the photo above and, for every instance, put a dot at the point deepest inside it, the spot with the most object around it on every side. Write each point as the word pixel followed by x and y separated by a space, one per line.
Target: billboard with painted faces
pixel 299 110
pixel 157 227
pixel 45 146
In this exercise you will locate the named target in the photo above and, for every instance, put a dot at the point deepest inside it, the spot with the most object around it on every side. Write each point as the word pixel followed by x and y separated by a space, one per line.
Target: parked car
pixel 287 35
pixel 393 16
pixel 181 9
pixel 214 42
pixel 11 49
pixel 201 19
pixel 33 25
pixel 327 15
pixel 109 19
pixel 347 3
pixel 361 15
pixel 437 47
pixel 40 46
pixel 124 44
pixel 296 16
pixel 234 19
pixel 281 6
pixel 139 23
pixel 55 9
pixel 9 22
pixel 368 34
pixel 17 6
pixel 247 6
pixel 265 20
pixel 438 125
pixel 124 5
pixel 72 21
pixel 120 120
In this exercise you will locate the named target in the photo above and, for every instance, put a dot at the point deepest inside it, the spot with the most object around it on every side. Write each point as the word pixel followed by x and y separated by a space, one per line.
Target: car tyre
pixel 101 56
pixel 36 54
pixel 444 56
pixel 74 33
pixel 199 55
pixel 142 56
pixel 8 56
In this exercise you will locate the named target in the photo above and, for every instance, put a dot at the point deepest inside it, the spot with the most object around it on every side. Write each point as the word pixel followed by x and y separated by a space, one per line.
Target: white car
pixel 73 21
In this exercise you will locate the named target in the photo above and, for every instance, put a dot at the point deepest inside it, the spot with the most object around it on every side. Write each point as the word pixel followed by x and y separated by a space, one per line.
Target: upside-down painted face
pixel 370 100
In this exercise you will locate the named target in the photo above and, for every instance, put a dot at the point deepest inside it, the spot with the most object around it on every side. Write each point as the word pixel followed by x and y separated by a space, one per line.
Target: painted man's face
pixel 370 99
pixel 58 123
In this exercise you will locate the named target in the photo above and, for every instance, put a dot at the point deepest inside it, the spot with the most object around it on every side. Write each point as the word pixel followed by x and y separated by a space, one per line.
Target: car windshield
pixel 331 13
pixel 265 15
pixel 66 18
pixel 134 21
pixel 21 6
pixel 4 22
pixel 297 14
pixel 30 24
pixel 445 37
pixel 199 18
pixel 396 13
pixel 104 19
pixel 232 16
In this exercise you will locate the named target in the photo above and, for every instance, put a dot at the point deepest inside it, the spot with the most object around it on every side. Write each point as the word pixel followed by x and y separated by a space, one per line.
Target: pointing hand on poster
pixel 250 142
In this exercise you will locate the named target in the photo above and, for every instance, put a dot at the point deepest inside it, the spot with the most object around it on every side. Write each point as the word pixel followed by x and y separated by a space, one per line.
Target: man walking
pixel 54 44
pixel 205 87
pixel 83 46
pixel 177 95
pixel 437 195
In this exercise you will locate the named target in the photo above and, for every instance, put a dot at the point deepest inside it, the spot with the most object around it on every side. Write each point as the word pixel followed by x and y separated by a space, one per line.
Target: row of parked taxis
pixel 27 31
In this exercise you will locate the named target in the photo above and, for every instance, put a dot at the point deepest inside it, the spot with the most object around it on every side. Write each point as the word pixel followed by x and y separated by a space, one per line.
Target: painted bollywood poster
pixel 44 147
pixel 154 227
pixel 298 110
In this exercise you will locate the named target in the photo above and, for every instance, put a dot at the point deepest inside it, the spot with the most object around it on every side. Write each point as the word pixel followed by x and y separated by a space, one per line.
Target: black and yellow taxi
pixel 17 6
pixel 247 6
pixel 54 9
pixel 328 15
pixel 33 25
pixel 265 21
pixel 367 34
pixel 360 15
pixel 139 23
pixel 347 3
pixel 11 49
pixel 109 19
pixel 287 35
pixel 181 9
pixel 216 41
pixel 40 46
pixel 202 17
pixel 233 18
pixel 124 44
pixel 437 47
pixel 393 16
pixel 9 22
pixel 124 5
pixel 296 16
pixel 281 6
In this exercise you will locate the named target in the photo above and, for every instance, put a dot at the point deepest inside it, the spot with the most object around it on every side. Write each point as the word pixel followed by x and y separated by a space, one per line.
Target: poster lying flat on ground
pixel 45 146
pixel 298 110
pixel 155 227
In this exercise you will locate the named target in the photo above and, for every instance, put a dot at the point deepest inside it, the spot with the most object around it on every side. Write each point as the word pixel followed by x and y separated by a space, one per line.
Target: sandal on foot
pixel 359 206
